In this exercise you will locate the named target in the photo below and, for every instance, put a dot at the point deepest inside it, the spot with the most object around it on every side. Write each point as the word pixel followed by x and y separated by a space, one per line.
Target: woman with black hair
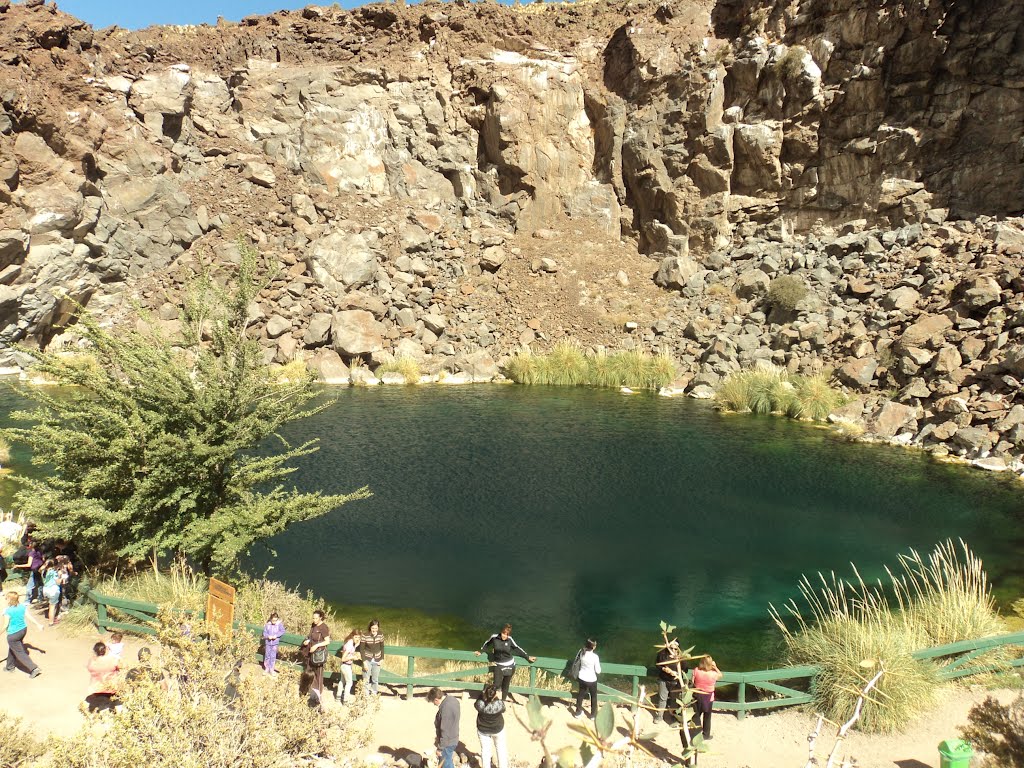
pixel 590 668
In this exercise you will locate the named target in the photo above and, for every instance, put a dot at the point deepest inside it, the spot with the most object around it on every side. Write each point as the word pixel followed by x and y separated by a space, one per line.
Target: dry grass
pixel 851 627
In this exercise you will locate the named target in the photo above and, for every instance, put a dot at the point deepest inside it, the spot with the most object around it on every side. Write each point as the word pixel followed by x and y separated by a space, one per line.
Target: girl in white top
pixel 348 654
pixel 590 668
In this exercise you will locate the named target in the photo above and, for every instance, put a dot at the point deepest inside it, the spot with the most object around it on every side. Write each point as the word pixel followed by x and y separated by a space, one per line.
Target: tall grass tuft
pixel 5 452
pixel 565 365
pixel 406 366
pixel 771 389
pixel 523 368
pixel 849 628
pixel 813 398
pixel 569 365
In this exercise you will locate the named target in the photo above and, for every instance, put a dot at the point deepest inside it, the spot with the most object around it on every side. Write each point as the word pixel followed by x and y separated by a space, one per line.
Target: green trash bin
pixel 955 753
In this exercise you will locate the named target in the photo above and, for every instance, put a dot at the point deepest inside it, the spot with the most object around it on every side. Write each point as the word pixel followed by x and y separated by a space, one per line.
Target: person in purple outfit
pixel 273 631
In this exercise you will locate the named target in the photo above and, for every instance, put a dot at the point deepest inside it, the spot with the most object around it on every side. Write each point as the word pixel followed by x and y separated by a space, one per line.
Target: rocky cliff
pixel 450 181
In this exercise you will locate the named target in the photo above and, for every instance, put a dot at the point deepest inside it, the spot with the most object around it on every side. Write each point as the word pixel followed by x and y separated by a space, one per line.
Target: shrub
pixel 998 730
pixel 19 747
pixel 813 398
pixel 213 716
pixel 565 365
pixel 852 627
pixel 406 366
pixel 522 368
pixel 770 389
pixel 786 292
pixel 791 64
pixel 5 452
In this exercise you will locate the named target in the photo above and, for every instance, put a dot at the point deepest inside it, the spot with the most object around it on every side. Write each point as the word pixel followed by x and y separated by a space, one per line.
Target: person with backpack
pixel 314 648
pixel 490 727
pixel 502 650
pixel 589 669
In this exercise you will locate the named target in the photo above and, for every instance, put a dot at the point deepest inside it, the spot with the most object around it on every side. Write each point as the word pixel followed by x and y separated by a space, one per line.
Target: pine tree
pixel 151 445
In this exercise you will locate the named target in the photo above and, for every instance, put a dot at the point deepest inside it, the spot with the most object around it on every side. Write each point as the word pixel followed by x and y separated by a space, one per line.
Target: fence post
pixel 101 616
pixel 742 697
pixel 410 672
pixel 636 694
pixel 533 678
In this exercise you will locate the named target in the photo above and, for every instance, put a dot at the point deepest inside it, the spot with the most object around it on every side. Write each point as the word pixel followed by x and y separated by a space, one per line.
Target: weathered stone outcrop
pixel 448 182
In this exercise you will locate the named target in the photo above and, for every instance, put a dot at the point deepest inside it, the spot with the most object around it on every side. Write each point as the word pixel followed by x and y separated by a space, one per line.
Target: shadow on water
pixel 585 512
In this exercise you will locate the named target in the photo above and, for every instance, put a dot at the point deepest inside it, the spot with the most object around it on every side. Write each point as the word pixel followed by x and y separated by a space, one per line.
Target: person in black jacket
pixel 502 650
pixel 669 662
pixel 490 727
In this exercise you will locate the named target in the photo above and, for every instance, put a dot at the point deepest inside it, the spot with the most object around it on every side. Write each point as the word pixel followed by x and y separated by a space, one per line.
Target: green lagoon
pixel 575 513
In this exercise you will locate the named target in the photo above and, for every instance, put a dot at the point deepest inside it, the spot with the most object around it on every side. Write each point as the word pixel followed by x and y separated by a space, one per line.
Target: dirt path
pixel 403 727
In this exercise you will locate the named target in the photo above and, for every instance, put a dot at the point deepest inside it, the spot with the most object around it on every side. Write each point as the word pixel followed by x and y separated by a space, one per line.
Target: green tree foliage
pixel 152 445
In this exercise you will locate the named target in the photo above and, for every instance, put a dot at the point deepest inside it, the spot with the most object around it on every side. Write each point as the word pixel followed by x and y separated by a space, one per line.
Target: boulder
pixel 752 284
pixel 328 366
pixel 974 439
pixel 342 260
pixel 492 257
pixel 925 329
pixel 355 332
pixel 891 418
pixel 259 173
pixel 947 360
pixel 979 293
pixel 674 271
pixel 859 373
pixel 318 329
pixel 1013 359
pixel 277 325
pixel 902 298
pixel 435 322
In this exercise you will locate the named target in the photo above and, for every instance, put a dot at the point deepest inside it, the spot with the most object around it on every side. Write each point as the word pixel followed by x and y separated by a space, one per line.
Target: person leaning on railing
pixel 502 650
pixel 371 648
pixel 705 676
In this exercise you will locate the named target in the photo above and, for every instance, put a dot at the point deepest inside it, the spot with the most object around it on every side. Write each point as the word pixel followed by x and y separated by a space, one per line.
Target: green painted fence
pixel 768 688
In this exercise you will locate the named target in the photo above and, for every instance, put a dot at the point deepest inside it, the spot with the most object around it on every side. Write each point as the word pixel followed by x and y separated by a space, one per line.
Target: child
pixel 273 631
pixel 116 645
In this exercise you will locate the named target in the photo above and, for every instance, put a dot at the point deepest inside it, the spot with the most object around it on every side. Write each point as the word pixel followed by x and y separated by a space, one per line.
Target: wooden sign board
pixel 220 605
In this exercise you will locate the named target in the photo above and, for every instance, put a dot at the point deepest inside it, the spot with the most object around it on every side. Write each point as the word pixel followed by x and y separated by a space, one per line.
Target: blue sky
pixel 135 14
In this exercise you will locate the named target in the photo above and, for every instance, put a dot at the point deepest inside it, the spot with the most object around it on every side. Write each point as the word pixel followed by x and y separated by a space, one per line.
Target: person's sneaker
pixel 36 672
pixel 578 716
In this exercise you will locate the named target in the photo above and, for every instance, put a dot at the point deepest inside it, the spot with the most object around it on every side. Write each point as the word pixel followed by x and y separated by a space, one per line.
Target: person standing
pixel 670 665
pixel 315 649
pixel 490 727
pixel 15 627
pixel 446 726
pixel 590 668
pixel 705 676
pixel 371 648
pixel 348 655
pixel 53 580
pixel 501 650
pixel 273 631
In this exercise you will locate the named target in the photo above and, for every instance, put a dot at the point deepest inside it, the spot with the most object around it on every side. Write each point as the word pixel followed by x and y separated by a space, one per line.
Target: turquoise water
pixel 583 512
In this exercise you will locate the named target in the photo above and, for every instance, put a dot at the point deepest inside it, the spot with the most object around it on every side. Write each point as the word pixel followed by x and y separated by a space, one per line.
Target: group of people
pixel 313 652
pixel 502 651
pixel 52 573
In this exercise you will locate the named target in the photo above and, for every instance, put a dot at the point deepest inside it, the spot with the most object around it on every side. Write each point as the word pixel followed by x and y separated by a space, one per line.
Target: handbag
pixel 572 669
pixel 319 657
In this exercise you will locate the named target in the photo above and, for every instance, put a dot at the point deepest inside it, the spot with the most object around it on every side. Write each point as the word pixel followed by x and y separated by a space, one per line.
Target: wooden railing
pixel 954 660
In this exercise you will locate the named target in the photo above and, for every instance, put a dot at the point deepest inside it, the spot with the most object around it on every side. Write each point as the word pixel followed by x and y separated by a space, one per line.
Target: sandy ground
pixel 402 727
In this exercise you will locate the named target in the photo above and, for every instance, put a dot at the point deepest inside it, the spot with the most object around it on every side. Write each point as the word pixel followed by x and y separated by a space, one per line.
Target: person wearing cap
pixel 670 665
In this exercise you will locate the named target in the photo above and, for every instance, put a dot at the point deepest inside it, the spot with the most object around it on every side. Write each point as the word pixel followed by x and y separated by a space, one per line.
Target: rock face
pixel 451 182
